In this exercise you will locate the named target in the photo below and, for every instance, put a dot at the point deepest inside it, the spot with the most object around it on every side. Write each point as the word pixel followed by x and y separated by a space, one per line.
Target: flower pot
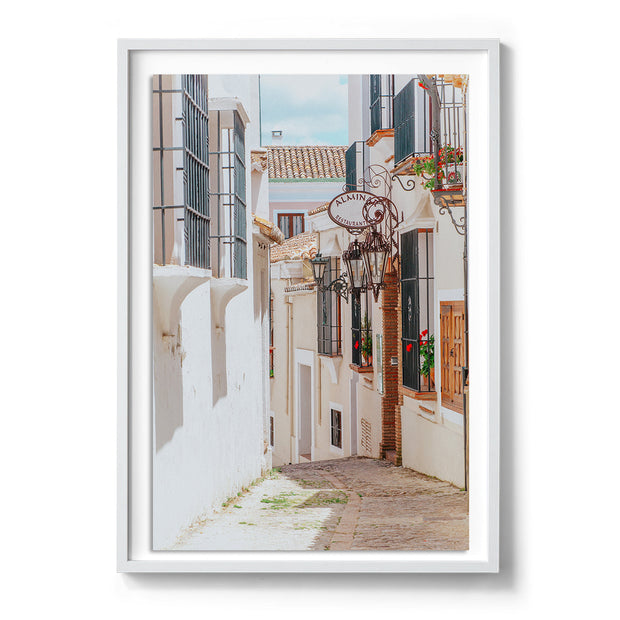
pixel 432 378
pixel 453 175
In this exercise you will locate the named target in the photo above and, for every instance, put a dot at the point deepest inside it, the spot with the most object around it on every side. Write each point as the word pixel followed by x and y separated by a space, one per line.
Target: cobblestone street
pixel 353 503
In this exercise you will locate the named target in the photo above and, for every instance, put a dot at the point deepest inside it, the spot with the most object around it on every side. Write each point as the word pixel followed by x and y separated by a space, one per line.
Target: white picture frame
pixel 137 61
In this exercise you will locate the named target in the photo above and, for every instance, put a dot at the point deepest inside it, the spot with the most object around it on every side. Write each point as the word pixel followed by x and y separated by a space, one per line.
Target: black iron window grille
pixel 229 254
pixel 185 102
pixel 291 224
pixel 271 347
pixel 361 328
pixel 356 159
pixel 271 431
pixel 412 122
pixel 417 294
pixel 381 102
pixel 336 428
pixel 329 313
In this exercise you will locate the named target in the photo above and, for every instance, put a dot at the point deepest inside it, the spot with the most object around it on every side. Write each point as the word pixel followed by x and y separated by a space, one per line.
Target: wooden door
pixel 452 354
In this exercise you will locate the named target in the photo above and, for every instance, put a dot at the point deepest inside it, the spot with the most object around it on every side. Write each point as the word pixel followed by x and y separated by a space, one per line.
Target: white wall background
pixel 560 424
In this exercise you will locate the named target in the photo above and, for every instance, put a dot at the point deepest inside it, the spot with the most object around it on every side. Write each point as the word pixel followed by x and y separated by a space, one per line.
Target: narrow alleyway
pixel 344 504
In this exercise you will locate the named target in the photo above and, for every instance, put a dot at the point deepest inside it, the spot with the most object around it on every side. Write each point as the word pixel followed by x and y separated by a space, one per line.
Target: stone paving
pixel 343 504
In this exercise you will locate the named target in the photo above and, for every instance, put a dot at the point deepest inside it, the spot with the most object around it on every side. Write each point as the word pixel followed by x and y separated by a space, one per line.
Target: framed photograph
pixel 308 306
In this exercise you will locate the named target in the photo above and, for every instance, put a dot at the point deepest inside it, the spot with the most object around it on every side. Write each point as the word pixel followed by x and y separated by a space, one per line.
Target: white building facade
pixel 361 376
pixel 210 297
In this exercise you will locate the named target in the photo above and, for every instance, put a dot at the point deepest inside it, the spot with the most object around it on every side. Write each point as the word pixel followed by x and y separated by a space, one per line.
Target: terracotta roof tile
pixel 269 229
pixel 306 162
pixel 304 245
pixel 319 209
pixel 259 159
pixel 307 285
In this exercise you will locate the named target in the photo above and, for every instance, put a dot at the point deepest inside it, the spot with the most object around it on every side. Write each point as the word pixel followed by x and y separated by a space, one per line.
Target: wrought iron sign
pixel 361 212
pixel 347 210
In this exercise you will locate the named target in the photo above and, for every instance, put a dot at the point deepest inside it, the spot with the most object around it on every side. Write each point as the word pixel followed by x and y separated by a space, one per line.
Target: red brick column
pixel 399 353
pixel 390 447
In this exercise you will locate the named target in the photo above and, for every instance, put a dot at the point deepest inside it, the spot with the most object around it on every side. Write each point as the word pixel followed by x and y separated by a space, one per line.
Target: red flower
pixel 357 344
pixel 409 347
pixel 424 333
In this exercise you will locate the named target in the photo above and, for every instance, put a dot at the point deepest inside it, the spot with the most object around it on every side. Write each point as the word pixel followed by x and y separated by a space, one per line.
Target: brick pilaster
pixel 390 411
pixel 399 353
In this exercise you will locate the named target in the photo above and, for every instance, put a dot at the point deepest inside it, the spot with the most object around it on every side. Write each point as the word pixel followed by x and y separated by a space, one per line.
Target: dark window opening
pixel 291 224
pixel 271 347
pixel 361 329
pixel 336 428
pixel 412 122
pixel 356 159
pixel 381 102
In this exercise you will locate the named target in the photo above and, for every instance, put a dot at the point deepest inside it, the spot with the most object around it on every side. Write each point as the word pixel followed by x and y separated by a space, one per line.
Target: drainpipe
pixel 466 305
pixel 319 403
pixel 289 371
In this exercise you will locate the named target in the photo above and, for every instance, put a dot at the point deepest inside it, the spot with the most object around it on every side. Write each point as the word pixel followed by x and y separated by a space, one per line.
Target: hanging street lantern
pixel 339 285
pixel 319 264
pixel 354 262
pixel 375 251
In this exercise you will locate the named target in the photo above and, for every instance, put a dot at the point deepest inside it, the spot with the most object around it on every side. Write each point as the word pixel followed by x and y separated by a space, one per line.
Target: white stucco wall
pixel 218 448
pixel 211 396
pixel 294 322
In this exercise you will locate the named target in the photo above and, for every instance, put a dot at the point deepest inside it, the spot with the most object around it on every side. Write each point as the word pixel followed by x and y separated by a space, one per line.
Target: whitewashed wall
pixel 210 395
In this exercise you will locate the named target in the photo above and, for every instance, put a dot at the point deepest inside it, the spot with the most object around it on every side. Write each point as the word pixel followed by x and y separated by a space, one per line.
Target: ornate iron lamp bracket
pixel 409 183
pixel 339 286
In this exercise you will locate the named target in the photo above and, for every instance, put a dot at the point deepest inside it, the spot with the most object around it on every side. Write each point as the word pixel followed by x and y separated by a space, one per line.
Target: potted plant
pixel 367 341
pixel 427 353
pixel 450 167
pixel 451 164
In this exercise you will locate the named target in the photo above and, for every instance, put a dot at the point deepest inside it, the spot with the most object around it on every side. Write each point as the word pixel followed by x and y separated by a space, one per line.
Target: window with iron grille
pixel 381 96
pixel 271 347
pixel 240 258
pixel 417 294
pixel 271 431
pixel 361 329
pixel 412 122
pixel 329 313
pixel 336 428
pixel 229 254
pixel 291 224
pixel 196 171
pixel 181 99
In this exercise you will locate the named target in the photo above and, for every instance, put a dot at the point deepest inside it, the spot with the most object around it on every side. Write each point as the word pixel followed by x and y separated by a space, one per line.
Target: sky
pixel 308 109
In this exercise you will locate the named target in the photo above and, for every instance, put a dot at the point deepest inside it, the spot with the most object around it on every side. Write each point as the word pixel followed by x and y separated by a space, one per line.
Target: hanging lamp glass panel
pixel 354 263
pixel 318 267
pixel 375 255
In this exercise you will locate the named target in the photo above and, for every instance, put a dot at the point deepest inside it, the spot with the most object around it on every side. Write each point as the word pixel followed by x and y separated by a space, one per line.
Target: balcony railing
pixel 450 171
